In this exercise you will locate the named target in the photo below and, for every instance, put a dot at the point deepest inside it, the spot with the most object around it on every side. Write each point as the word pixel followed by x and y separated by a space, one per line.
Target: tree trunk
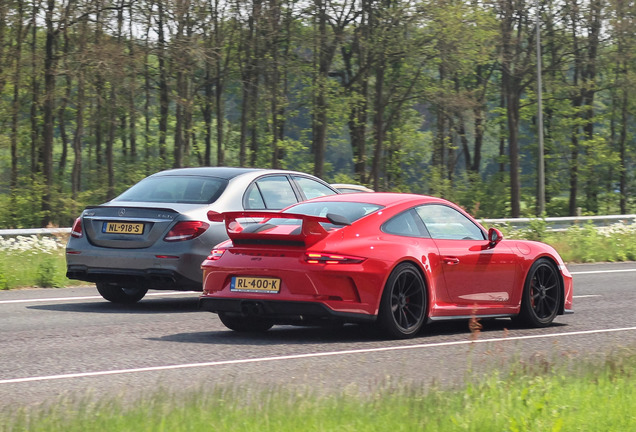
pixel 163 88
pixel 511 95
pixel 48 107
pixel 35 94
pixel 132 111
pixel 378 125
pixel 319 125
pixel 589 82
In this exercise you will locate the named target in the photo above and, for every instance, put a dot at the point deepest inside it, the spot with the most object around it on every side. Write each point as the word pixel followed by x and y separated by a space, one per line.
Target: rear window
pixel 350 210
pixel 176 189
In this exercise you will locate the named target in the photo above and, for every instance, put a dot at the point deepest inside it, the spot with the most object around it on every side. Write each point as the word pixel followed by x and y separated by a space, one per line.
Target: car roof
pixel 351 188
pixel 220 172
pixel 381 198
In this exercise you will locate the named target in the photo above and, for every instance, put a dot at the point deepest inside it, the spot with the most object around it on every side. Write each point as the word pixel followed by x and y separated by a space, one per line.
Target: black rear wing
pixel 259 230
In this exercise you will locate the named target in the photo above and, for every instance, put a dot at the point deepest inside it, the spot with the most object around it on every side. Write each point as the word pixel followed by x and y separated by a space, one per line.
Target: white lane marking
pixel 304 356
pixel 586 296
pixel 602 271
pixel 55 299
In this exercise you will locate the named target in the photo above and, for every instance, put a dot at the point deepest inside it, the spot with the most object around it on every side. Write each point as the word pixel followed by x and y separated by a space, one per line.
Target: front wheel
pixel 245 324
pixel 119 294
pixel 403 305
pixel 542 295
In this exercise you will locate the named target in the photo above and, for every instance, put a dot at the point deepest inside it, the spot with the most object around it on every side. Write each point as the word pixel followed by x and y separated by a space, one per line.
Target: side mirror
pixel 494 236
pixel 215 216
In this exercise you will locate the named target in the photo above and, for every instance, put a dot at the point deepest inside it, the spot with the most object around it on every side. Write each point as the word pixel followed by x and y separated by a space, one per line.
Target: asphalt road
pixel 71 343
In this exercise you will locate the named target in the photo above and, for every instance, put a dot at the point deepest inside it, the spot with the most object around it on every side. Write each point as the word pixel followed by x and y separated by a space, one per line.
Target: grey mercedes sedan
pixel 156 234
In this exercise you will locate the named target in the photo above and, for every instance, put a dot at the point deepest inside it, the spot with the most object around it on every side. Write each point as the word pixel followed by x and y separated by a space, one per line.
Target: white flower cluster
pixel 617 230
pixel 31 244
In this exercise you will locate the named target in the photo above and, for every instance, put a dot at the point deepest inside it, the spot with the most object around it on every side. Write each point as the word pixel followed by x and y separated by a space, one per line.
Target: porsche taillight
pixel 216 254
pixel 76 231
pixel 186 230
pixel 328 258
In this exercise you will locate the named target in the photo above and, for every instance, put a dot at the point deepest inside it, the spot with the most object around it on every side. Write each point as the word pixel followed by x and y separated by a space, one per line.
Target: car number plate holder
pixel 255 284
pixel 123 228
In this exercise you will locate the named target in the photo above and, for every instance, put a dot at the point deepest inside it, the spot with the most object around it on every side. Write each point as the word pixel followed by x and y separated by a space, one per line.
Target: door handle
pixel 451 260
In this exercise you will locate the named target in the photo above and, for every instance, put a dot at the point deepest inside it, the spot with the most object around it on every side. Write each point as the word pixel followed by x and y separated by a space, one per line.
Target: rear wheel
pixel 245 324
pixel 119 294
pixel 541 295
pixel 403 306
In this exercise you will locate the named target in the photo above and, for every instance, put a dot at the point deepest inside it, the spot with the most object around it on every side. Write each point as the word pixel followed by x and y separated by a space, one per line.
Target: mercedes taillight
pixel 186 230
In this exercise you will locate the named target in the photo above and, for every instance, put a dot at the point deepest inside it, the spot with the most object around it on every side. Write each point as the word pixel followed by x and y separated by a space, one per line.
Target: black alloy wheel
pixel 542 295
pixel 404 300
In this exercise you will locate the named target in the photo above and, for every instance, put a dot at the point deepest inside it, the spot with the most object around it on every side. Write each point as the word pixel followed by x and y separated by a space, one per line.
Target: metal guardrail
pixel 35 231
pixel 563 223
pixel 552 223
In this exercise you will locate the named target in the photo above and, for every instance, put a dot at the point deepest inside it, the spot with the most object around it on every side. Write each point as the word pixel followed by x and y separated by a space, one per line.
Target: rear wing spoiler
pixel 260 231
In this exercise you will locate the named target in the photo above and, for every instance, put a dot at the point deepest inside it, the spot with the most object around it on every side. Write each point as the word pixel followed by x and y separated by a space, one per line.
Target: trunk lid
pixel 126 227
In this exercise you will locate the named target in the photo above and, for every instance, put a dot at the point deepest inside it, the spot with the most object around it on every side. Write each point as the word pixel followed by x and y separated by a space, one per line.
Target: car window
pixel 312 188
pixel 443 222
pixel 270 193
pixel 351 210
pixel 179 189
pixel 404 224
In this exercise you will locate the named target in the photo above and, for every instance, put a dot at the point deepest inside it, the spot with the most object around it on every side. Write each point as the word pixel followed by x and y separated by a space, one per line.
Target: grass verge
pixel 589 397
pixel 32 262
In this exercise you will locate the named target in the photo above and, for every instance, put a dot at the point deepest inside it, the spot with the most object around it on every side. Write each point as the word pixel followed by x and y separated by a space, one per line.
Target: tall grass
pixel 592 397
pixel 32 261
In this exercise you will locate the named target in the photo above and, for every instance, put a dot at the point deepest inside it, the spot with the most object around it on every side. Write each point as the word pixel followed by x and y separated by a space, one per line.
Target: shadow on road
pixel 150 306
pixel 283 335
pixel 290 335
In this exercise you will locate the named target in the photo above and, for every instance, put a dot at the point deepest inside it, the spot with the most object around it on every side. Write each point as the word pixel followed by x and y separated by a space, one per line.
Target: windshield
pixel 176 189
pixel 350 210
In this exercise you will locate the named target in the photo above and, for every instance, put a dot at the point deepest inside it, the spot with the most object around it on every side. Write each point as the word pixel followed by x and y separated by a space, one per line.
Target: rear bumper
pixel 281 312
pixel 160 279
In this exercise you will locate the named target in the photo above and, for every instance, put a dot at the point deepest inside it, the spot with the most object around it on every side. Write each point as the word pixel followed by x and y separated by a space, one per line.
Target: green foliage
pixel 483 198
pixel 32 261
pixel 583 243
pixel 412 74
pixel 589 244
pixel 4 283
pixel 557 207
pixel 536 230
pixel 48 274
pixel 22 209
pixel 407 157
pixel 296 156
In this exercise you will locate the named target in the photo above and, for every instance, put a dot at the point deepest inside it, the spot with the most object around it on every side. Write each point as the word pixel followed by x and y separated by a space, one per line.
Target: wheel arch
pixel 555 263
pixel 425 277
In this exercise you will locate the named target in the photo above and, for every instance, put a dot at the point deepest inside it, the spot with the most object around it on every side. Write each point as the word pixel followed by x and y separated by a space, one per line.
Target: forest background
pixel 429 96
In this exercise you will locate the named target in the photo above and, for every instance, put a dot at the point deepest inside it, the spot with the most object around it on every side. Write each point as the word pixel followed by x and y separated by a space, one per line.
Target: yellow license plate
pixel 123 228
pixel 255 284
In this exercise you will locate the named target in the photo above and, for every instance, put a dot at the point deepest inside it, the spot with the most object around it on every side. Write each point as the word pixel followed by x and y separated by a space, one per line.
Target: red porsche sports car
pixel 399 260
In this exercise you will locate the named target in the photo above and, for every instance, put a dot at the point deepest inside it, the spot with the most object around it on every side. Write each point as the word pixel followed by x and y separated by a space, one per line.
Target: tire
pixel 404 302
pixel 244 324
pixel 542 295
pixel 118 294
